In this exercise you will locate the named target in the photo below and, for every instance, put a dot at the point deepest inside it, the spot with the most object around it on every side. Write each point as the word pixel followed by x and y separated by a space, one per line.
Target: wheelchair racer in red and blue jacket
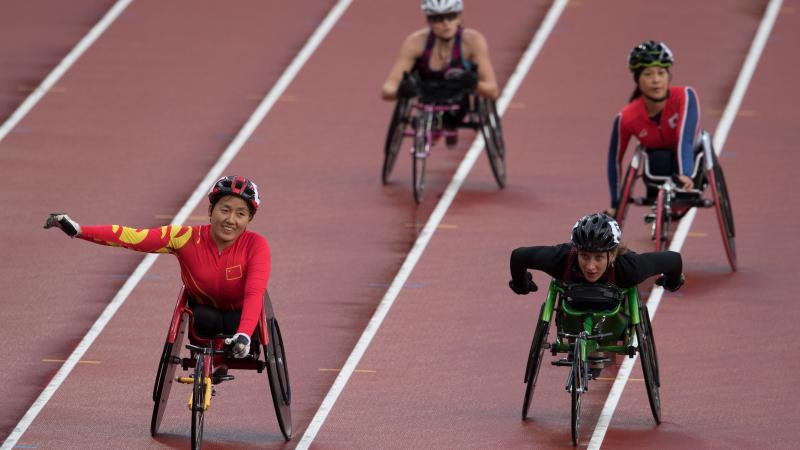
pixel 664 119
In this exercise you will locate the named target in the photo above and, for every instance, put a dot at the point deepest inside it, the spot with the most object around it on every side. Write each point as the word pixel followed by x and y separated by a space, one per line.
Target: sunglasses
pixel 438 18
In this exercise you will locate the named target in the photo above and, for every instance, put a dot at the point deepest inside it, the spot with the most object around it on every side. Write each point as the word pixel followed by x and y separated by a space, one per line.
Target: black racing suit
pixel 629 269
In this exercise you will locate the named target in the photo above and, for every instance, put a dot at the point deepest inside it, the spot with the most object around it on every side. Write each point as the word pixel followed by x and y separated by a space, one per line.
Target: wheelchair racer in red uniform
pixel 664 119
pixel 224 267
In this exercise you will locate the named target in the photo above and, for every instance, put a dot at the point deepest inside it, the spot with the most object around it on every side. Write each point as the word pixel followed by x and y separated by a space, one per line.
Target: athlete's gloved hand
pixel 409 86
pixel 661 281
pixel 526 287
pixel 241 345
pixel 468 79
pixel 64 223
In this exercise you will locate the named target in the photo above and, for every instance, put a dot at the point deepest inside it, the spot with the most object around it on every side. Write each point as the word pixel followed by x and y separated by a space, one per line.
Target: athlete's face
pixel 654 82
pixel 444 26
pixel 594 264
pixel 229 219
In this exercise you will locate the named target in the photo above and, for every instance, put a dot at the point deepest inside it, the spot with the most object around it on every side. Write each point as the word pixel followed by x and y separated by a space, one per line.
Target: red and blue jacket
pixel 233 279
pixel 675 128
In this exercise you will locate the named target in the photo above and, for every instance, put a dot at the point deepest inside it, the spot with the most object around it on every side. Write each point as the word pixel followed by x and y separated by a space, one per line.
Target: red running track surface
pixel 445 370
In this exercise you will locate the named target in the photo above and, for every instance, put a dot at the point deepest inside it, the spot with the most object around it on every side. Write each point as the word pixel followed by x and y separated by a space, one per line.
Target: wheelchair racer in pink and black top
pixel 224 267
pixel 664 119
pixel 444 50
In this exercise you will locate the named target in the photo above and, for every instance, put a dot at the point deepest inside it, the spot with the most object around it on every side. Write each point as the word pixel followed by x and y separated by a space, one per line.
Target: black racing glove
pixel 468 79
pixel 240 345
pixel 661 281
pixel 64 223
pixel 409 86
pixel 526 287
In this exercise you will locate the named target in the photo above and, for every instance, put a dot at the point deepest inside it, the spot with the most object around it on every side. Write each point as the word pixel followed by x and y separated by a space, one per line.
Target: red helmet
pixel 238 186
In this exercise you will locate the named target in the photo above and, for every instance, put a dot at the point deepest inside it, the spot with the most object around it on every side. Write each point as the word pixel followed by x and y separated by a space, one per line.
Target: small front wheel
pixel 198 401
pixel 662 222
pixel 578 380
pixel 422 142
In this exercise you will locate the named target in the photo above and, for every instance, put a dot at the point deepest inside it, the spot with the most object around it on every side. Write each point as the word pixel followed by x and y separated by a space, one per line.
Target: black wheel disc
pixel 278 378
pixel 394 136
pixel 647 358
pixel 493 138
pixel 724 210
pixel 165 378
pixel 534 362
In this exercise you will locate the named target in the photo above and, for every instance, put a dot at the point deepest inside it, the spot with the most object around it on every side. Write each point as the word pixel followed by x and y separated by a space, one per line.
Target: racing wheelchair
pixel 592 321
pixel 424 119
pixel 671 202
pixel 206 353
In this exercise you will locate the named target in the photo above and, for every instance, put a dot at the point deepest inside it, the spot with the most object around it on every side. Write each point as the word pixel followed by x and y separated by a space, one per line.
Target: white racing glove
pixel 64 223
pixel 241 345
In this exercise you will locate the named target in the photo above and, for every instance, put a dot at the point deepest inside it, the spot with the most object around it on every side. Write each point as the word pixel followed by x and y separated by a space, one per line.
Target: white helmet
pixel 431 7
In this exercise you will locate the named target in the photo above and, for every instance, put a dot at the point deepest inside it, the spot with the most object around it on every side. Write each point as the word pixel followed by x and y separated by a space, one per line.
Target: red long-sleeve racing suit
pixel 233 279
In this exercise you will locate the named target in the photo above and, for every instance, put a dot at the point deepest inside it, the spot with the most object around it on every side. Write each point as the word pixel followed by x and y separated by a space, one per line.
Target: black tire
pixel 647 357
pixel 394 137
pixel 492 131
pixel 535 356
pixel 278 377
pixel 419 155
pixel 165 378
pixel 644 316
pixel 722 204
pixel 198 402
pixel 578 381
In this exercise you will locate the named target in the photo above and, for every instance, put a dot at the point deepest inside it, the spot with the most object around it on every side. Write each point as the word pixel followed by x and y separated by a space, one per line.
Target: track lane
pixel 34 37
pixel 144 112
pixel 727 324
pixel 322 291
pixel 448 357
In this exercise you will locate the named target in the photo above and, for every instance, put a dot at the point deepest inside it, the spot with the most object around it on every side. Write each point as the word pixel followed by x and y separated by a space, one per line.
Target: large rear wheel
pixel 649 363
pixel 722 204
pixel 534 361
pixel 278 376
pixel 394 137
pixel 165 377
pixel 492 132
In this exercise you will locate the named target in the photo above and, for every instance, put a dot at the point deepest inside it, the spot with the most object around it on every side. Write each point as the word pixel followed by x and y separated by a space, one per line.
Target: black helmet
pixel 596 233
pixel 650 54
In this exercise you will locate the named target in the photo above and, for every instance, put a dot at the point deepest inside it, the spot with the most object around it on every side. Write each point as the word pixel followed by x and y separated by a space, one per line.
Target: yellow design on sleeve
pixel 132 236
pixel 179 236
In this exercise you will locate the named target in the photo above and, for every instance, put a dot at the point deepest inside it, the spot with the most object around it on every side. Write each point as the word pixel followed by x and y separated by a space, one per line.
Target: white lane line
pixel 199 193
pixel 720 136
pixel 62 67
pixel 427 231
